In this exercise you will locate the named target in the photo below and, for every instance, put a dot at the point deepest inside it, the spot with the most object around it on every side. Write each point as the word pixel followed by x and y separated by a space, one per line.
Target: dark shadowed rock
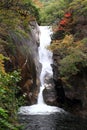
pixel 49 93
pixel 72 95
pixel 24 56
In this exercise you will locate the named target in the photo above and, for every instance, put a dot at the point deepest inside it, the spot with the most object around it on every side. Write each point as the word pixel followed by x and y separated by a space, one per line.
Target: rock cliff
pixel 19 41
pixel 69 46
pixel 23 54
pixel 71 91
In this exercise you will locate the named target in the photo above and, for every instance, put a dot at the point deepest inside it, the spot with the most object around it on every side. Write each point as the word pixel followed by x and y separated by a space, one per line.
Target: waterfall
pixel 44 54
pixel 45 58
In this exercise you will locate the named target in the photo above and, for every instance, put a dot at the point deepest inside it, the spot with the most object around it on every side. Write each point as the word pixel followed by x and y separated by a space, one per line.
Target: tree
pixel 54 11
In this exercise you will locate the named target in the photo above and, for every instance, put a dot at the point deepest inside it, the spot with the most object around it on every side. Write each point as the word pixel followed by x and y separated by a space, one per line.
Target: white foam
pixel 45 59
pixel 39 109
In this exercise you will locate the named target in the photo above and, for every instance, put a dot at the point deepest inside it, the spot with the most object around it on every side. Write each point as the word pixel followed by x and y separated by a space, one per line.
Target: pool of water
pixel 55 121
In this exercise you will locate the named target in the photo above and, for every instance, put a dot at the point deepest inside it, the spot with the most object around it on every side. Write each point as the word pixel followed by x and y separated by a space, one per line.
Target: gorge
pixel 41 116
pixel 45 58
pixel 43 64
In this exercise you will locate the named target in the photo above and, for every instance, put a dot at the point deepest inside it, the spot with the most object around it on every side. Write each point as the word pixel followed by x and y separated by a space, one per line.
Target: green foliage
pixel 62 45
pixel 4 123
pixel 73 55
pixel 15 16
pixel 53 11
pixel 8 102
pixel 79 7
pixel 8 3
pixel 73 63
pixel 31 9
pixel 84 41
pixel 69 42
pixel 17 13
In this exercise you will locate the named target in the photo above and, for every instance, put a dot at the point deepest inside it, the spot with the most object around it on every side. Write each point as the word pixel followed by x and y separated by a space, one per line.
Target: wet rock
pixel 73 93
pixel 60 91
pixel 49 93
pixel 24 56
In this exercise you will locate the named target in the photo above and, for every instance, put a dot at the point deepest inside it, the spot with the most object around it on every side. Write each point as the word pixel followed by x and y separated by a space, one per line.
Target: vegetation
pixel 74 56
pixel 9 103
pixel 71 45
pixel 79 7
pixel 53 11
pixel 15 16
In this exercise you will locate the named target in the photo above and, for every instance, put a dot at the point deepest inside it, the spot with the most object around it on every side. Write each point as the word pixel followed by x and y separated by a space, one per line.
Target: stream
pixel 41 116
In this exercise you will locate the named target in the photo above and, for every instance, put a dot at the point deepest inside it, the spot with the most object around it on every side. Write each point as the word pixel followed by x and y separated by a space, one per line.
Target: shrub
pixel 9 103
pixel 73 55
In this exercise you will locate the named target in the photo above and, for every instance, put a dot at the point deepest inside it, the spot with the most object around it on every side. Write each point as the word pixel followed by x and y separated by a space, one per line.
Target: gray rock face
pixel 49 93
pixel 30 47
pixel 77 92
pixel 73 94
pixel 24 56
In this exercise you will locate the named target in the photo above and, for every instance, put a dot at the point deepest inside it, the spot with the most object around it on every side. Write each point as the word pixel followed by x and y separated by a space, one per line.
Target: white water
pixel 45 58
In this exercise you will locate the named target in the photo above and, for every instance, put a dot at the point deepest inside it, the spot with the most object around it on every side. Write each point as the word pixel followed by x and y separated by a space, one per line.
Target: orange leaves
pixel 67 15
pixel 66 19
pixel 2 58
pixel 2 69
pixel 68 40
pixel 64 22
pixel 62 45
pixel 62 25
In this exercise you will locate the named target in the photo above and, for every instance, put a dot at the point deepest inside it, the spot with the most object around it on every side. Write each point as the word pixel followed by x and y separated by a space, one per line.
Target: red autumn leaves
pixel 64 22
pixel 67 15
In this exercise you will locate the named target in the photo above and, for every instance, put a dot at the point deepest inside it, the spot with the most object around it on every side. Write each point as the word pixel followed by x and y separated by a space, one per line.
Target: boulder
pixel 49 93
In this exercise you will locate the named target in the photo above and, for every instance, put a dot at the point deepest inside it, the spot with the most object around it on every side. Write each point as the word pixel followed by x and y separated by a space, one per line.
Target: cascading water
pixel 45 59
pixel 42 116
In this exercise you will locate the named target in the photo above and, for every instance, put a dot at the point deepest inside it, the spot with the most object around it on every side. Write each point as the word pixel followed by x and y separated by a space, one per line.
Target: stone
pixel 49 93
pixel 26 58
pixel 72 95
pixel 49 96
